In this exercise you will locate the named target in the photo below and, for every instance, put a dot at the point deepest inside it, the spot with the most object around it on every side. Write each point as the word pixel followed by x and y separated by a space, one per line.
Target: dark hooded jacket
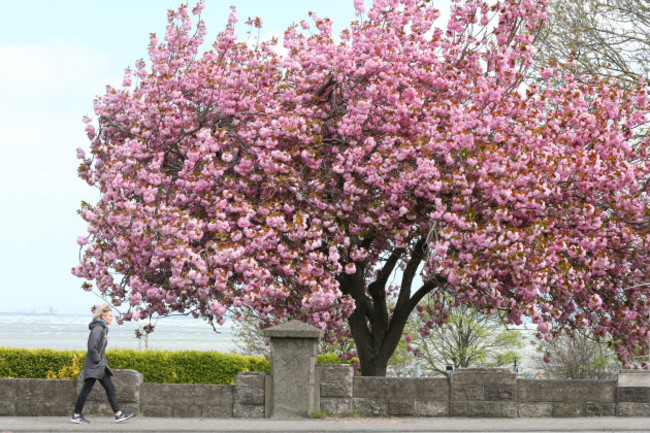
pixel 96 365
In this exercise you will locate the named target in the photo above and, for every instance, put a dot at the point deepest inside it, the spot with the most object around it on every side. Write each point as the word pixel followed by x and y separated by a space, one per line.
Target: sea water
pixel 69 331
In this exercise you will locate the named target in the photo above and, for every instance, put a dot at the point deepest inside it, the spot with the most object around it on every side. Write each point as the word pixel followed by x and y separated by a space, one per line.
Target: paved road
pixel 357 425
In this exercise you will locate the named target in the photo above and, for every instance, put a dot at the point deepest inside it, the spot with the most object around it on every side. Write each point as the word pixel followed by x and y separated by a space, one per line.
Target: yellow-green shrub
pixel 155 365
pixel 186 366
pixel 36 363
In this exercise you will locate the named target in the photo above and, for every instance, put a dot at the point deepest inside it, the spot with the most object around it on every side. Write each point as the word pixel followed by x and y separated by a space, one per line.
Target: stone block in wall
pixel 567 409
pixel 633 394
pixel 217 411
pixel 632 409
pixel 247 411
pixel 335 389
pixel 483 376
pixel 594 391
pixel 43 408
pixel 103 408
pixel 336 373
pixel 7 408
pixel 156 411
pixel 500 392
pixel 370 407
pixel 187 412
pixel 250 379
pixel 436 389
pixel 186 400
pixel 535 410
pixel 401 408
pixel 370 387
pixel 485 409
pixel 431 408
pixel 404 388
pixel 36 397
pixel 28 408
pixel 8 389
pixel 335 380
pixel 44 390
pixel 468 392
pixel 336 406
pixel 600 409
pixel 249 396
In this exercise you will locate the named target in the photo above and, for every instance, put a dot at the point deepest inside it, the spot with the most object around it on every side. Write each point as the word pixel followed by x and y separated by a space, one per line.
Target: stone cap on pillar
pixel 294 329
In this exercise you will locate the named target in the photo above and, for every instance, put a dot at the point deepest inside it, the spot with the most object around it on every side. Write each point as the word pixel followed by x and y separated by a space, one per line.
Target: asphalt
pixel 140 424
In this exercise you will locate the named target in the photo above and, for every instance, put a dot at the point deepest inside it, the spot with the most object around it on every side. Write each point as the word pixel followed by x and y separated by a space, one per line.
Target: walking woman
pixel 96 367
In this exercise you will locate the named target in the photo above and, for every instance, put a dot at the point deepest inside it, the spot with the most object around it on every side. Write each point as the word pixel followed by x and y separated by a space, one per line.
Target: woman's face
pixel 108 317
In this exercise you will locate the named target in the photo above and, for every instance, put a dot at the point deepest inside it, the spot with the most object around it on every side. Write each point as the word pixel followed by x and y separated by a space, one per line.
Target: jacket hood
pixel 95 323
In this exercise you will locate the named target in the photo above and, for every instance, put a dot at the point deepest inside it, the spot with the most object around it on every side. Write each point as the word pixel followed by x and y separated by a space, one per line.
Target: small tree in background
pixel 248 337
pixel 467 338
pixel 577 356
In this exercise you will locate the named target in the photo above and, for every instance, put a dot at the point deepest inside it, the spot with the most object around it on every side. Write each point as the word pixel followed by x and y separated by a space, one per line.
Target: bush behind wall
pixel 156 366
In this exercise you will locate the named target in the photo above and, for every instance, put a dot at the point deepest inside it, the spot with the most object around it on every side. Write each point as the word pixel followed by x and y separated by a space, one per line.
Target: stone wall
pixel 334 389
pixel 36 397
pixel 482 393
pixel 41 397
pixel 466 393
pixel 563 398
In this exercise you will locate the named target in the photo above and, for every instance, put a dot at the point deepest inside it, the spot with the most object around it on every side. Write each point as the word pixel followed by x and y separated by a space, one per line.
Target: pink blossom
pixel 296 185
pixel 135 299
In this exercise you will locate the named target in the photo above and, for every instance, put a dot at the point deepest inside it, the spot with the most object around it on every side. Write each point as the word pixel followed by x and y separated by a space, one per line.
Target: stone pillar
pixel 127 387
pixel 294 347
pixel 633 393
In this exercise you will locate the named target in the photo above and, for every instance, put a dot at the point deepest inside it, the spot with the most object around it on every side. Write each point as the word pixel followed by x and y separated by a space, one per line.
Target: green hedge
pixel 186 366
pixel 155 365
pixel 37 363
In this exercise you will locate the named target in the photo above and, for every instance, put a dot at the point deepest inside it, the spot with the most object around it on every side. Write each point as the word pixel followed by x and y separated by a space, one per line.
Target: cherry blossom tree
pixel 342 182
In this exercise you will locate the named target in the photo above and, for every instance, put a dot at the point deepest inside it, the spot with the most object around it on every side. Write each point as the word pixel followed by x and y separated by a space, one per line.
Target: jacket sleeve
pixel 94 341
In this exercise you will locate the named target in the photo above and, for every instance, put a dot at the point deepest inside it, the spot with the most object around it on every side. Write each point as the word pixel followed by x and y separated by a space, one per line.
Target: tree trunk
pixel 373 367
pixel 375 333
pixel 375 341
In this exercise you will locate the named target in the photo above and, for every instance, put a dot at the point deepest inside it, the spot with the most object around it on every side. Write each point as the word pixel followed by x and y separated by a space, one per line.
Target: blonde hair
pixel 100 311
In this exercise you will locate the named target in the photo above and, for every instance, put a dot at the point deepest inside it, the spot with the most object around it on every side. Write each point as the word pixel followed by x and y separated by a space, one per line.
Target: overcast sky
pixel 55 57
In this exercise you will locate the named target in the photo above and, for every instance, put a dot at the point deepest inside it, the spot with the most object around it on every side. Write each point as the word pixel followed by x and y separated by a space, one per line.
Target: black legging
pixel 107 383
